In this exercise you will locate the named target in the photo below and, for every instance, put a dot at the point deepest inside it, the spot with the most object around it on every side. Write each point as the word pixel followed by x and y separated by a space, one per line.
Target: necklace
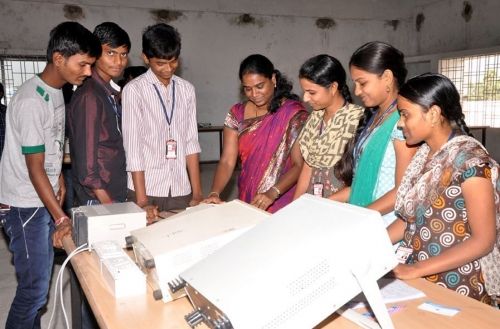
pixel 372 124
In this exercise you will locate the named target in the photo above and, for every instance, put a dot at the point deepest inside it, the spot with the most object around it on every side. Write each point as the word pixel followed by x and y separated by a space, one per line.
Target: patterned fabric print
pixel 325 149
pixel 281 159
pixel 264 146
pixel 441 227
pixel 326 176
pixel 430 200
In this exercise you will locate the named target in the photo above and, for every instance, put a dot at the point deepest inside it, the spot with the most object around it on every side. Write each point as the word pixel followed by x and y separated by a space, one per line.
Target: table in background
pixel 145 312
pixel 210 129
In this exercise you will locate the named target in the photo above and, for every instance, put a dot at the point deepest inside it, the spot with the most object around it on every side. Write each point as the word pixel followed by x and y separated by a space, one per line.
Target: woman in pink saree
pixel 262 133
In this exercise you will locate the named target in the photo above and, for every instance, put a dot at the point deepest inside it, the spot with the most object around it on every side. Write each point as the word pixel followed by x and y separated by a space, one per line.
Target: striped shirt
pixel 146 131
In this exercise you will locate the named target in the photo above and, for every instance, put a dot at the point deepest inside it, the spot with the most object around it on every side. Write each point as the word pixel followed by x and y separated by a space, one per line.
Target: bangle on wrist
pixel 277 190
pixel 213 193
pixel 59 221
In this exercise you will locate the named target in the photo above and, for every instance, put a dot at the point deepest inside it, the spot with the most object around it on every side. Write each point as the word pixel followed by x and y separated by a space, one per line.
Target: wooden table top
pixel 145 312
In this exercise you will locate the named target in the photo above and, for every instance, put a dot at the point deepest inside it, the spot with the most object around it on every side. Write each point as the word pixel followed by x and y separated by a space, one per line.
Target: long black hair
pixel 373 57
pixel 376 57
pixel 324 70
pixel 431 89
pixel 259 64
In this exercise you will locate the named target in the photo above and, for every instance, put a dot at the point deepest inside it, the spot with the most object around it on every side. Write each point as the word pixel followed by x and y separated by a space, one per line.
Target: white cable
pixel 74 252
pixel 59 283
pixel 62 280
pixel 31 217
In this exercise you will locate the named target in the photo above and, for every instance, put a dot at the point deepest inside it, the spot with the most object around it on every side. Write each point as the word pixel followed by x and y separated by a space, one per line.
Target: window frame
pixel 11 88
pixel 433 61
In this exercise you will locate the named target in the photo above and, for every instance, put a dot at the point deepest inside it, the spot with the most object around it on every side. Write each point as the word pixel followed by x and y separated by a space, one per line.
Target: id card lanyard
pixel 318 184
pixel 171 144
pixel 117 113
pixel 318 188
pixel 370 127
pixel 404 254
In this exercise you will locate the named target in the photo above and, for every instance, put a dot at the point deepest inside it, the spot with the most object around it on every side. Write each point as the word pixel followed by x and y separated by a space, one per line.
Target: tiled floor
pixel 8 279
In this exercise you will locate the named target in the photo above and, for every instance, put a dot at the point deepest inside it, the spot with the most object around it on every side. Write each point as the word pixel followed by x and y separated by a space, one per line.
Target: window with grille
pixel 14 70
pixel 477 79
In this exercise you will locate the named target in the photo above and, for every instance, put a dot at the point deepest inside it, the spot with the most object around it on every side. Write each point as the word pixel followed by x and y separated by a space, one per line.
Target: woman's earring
pixel 388 89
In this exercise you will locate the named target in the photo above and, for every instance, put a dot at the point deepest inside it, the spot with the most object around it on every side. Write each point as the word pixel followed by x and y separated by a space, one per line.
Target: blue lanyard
pixel 369 129
pixel 115 107
pixel 118 113
pixel 169 120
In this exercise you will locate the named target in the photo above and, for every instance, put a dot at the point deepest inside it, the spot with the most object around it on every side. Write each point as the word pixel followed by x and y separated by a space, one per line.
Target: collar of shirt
pixel 152 78
pixel 110 91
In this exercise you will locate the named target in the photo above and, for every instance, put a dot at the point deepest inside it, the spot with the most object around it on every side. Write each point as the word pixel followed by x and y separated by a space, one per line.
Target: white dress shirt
pixel 146 131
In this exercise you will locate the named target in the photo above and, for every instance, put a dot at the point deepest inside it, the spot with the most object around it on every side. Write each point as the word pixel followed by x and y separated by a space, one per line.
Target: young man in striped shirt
pixel 159 128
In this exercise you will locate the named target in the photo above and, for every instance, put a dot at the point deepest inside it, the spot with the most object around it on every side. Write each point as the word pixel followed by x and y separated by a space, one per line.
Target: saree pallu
pixel 264 147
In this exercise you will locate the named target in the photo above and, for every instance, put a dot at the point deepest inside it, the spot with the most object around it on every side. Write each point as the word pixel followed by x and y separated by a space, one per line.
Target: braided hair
pixel 431 89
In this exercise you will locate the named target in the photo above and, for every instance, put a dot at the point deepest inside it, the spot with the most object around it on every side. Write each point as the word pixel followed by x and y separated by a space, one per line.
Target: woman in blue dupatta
pixel 375 159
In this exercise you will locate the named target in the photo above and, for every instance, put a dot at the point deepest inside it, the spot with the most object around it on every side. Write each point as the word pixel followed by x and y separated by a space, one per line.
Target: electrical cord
pixel 59 284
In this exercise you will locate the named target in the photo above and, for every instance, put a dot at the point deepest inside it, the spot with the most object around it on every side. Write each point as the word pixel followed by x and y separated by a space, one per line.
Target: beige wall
pixel 284 30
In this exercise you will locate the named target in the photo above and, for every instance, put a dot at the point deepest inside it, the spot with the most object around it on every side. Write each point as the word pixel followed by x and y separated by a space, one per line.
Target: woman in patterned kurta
pixel 330 126
pixel 447 202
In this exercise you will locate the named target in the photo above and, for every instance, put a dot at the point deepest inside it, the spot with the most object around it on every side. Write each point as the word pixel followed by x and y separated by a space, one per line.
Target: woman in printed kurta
pixel 262 131
pixel 448 201
pixel 330 126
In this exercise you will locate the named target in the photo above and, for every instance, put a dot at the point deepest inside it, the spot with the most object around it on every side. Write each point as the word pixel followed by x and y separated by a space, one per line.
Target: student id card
pixel 318 189
pixel 171 149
